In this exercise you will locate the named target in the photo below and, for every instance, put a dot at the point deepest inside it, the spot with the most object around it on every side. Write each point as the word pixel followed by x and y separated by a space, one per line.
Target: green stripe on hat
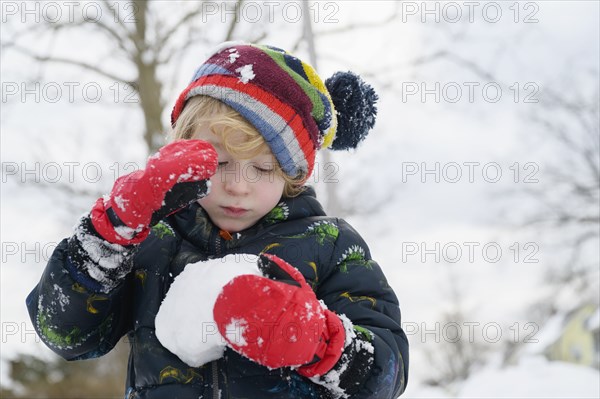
pixel 318 110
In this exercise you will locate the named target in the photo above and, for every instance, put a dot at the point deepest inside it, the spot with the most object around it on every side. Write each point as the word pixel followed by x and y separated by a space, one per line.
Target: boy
pixel 247 127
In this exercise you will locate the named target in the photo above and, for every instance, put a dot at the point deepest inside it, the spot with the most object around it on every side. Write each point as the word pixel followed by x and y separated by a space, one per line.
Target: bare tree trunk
pixel 148 86
pixel 149 90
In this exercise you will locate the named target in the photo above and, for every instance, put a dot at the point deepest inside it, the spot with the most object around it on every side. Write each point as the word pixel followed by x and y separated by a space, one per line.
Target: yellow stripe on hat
pixel 315 80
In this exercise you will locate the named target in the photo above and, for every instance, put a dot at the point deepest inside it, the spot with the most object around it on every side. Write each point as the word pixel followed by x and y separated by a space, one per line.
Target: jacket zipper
pixel 218 246
pixel 215 378
pixel 214 246
pixel 214 366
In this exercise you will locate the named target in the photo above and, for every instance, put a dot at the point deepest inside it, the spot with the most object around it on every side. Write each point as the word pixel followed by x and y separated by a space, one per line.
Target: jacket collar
pixel 194 225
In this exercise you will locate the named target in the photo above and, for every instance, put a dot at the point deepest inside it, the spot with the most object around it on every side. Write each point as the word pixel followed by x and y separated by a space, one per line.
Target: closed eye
pixel 263 170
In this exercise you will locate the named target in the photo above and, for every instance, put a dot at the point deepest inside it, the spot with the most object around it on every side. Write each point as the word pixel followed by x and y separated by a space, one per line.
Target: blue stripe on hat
pixel 210 69
pixel 295 65
pixel 325 123
pixel 271 136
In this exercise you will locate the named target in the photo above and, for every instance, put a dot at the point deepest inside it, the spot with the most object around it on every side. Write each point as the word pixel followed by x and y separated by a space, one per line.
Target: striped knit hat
pixel 286 101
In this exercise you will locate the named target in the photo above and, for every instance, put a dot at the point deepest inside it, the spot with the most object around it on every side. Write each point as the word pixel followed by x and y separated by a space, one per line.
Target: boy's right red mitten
pixel 175 176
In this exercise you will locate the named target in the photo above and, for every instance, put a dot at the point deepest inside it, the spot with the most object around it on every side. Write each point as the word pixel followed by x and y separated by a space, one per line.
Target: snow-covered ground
pixel 532 378
pixel 448 245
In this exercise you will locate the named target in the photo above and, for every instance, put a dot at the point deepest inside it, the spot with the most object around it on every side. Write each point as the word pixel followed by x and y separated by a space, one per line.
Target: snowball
pixel 184 323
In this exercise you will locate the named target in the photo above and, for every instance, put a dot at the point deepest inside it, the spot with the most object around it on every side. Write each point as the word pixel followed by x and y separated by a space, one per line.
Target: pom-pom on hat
pixel 286 101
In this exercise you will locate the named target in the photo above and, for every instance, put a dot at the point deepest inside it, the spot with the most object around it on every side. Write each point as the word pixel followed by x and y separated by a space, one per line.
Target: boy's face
pixel 242 190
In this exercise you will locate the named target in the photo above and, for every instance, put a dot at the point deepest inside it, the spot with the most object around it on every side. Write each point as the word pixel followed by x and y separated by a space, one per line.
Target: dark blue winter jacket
pixel 91 296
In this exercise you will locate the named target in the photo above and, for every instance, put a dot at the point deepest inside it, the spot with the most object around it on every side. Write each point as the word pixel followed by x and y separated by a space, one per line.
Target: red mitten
pixel 279 321
pixel 174 177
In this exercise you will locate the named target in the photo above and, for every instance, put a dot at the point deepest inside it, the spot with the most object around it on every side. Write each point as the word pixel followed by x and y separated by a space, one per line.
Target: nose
pixel 235 183
pixel 236 187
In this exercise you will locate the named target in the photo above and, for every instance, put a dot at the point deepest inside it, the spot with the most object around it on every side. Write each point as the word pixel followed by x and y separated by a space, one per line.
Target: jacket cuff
pixel 95 263
pixel 351 371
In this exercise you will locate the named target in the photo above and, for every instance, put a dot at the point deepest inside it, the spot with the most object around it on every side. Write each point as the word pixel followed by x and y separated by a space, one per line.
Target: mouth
pixel 233 211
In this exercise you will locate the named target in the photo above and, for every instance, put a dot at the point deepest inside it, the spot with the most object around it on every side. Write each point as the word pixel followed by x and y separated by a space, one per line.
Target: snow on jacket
pixel 85 303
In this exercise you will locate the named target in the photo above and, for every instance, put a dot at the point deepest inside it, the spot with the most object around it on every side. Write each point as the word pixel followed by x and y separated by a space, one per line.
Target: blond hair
pixel 238 136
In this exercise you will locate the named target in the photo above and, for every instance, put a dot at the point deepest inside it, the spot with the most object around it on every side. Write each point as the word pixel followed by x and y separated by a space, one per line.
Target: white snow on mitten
pixel 184 323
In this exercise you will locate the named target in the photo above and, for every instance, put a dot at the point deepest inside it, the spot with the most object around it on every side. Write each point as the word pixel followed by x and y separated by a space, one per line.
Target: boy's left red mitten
pixel 278 321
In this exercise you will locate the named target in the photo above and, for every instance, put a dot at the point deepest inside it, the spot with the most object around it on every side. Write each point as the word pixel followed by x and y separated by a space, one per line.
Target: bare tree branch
pixel 351 27
pixel 234 21
pixel 464 62
pixel 139 37
pixel 568 199
pixel 116 15
pixel 81 64
pixel 119 39
pixel 365 25
pixel 184 21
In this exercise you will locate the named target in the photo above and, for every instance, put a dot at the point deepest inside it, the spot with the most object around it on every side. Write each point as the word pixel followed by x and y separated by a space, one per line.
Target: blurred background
pixel 477 191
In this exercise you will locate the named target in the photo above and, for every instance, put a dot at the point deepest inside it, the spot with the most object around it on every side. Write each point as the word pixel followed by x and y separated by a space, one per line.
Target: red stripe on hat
pixel 307 146
pixel 180 103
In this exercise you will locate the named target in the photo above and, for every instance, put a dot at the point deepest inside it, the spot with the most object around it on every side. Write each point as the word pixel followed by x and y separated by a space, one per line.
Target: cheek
pixel 272 191
pixel 215 189
pixel 205 202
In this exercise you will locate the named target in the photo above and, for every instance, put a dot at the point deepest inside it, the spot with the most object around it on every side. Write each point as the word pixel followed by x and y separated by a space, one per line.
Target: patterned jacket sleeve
pixel 374 363
pixel 80 306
